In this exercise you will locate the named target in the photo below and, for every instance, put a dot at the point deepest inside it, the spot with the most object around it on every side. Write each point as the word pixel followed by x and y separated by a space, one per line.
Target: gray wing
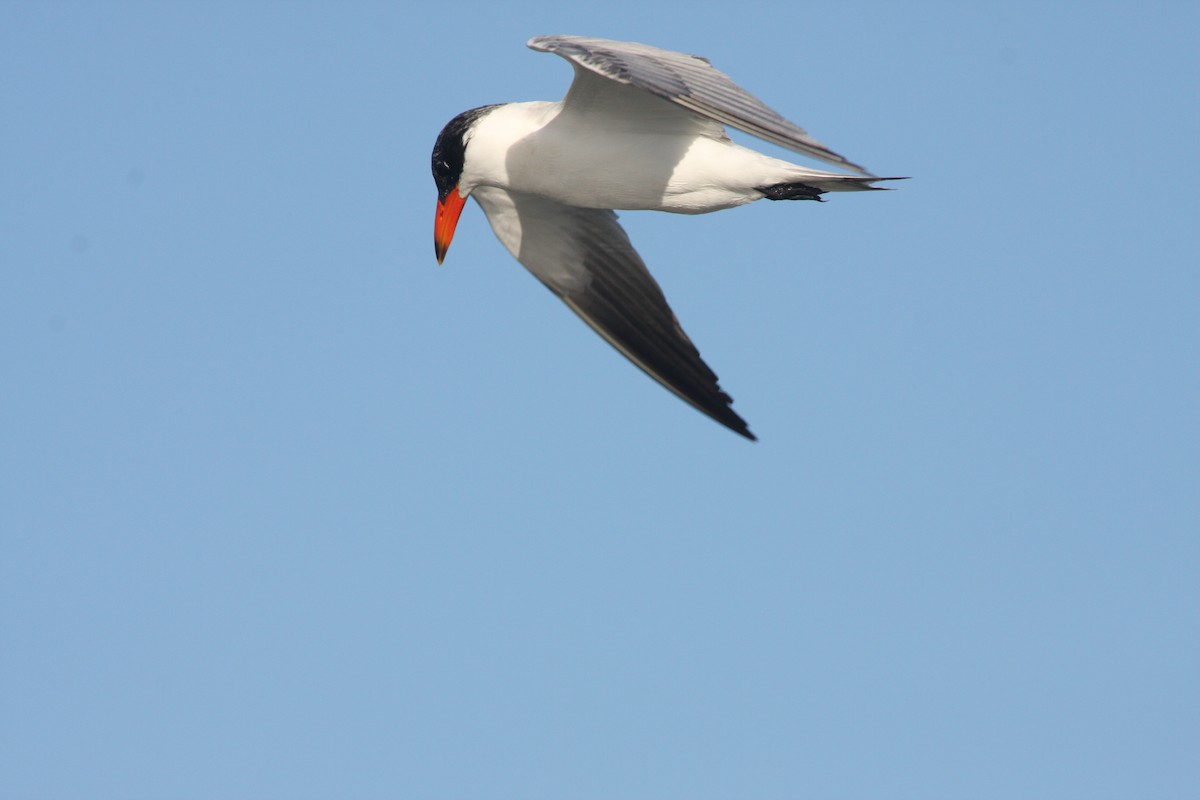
pixel 691 82
pixel 584 256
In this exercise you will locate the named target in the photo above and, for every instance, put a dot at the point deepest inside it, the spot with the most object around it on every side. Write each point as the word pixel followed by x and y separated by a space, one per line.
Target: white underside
pixel 644 153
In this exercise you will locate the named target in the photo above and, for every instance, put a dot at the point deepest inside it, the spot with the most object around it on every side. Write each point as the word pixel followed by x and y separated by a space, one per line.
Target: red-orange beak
pixel 448 210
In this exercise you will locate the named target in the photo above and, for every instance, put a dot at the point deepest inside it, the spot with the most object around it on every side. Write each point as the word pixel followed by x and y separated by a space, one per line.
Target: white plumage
pixel 640 128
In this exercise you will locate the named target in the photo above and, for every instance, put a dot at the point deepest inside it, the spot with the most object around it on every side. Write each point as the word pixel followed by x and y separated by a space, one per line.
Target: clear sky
pixel 289 511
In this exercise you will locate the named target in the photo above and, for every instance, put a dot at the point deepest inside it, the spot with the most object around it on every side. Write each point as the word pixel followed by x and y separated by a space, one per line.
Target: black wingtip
pixel 730 419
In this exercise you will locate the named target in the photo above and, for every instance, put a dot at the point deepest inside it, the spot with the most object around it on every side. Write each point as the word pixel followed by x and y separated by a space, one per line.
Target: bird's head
pixel 449 159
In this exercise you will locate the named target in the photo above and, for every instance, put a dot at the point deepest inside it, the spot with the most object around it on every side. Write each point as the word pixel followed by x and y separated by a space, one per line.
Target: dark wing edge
pixel 610 289
pixel 692 83
pixel 678 368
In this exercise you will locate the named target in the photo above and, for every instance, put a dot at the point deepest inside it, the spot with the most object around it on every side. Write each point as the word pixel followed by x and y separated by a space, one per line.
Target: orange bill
pixel 448 210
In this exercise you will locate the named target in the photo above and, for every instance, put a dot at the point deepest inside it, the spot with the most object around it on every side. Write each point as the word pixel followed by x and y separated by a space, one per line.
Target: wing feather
pixel 584 256
pixel 692 83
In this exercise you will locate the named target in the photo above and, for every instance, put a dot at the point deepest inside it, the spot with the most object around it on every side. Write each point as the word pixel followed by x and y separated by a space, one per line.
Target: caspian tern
pixel 640 128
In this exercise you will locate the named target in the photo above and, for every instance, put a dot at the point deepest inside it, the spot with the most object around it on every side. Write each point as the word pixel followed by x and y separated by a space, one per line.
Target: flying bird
pixel 639 128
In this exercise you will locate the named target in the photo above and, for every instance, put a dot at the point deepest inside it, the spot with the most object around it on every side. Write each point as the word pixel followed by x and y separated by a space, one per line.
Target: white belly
pixel 594 168
pixel 684 174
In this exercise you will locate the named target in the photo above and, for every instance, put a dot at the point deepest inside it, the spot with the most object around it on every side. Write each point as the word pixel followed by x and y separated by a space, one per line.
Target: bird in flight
pixel 639 128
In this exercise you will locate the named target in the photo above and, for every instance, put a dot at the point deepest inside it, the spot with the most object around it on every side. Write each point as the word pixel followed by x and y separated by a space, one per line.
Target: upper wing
pixel 691 82
pixel 584 256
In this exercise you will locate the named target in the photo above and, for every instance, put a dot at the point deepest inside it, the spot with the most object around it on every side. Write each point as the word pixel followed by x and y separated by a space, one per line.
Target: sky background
pixel 289 511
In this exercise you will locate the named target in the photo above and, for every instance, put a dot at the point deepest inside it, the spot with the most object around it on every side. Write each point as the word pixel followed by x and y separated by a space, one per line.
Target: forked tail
pixel 812 188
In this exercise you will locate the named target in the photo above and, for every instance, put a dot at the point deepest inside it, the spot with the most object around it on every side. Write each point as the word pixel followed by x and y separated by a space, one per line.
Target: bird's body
pixel 640 129
pixel 584 159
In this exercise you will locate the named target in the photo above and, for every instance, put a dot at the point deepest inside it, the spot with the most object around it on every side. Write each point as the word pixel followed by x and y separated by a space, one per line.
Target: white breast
pixel 630 161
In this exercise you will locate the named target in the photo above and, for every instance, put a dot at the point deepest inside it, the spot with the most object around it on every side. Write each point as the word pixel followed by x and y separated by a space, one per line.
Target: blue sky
pixel 287 510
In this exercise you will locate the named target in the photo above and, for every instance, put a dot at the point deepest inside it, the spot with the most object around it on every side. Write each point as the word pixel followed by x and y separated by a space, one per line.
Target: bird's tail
pixel 812 185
